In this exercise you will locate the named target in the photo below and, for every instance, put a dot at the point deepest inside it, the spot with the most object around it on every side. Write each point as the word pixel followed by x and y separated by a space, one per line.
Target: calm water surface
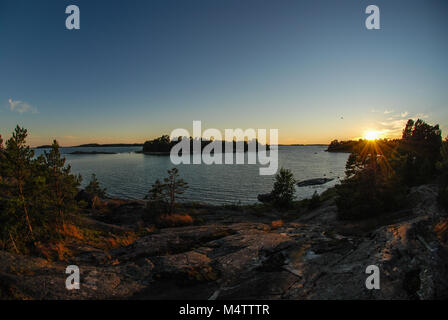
pixel 130 175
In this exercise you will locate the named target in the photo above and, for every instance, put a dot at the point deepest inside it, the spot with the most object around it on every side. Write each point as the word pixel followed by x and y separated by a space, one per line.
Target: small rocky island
pixel 163 145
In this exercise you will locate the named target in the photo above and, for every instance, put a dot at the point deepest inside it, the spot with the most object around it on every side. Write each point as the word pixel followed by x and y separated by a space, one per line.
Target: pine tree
pixel 36 194
pixel 94 188
pixel 156 193
pixel 62 186
pixel 372 185
pixel 174 187
pixel 420 144
pixel 284 189
pixel 158 202
pixel 18 189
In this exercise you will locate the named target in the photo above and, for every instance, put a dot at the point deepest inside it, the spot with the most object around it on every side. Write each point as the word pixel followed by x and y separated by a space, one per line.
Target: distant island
pixel 97 145
pixel 304 145
pixel 163 145
pixel 342 146
pixel 91 152
pixel 349 146
pixel 151 144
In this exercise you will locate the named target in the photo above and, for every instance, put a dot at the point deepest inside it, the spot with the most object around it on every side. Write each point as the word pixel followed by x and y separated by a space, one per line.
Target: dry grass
pixel 441 230
pixel 73 239
pixel 175 220
pixel 276 224
pixel 54 250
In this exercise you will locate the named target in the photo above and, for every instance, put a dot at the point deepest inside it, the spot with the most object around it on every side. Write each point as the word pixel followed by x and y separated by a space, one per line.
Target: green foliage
pixel 369 193
pixel 419 149
pixel 370 187
pixel 156 192
pixel 284 189
pixel 157 204
pixel 162 196
pixel 61 185
pixel 18 192
pixel 35 194
pixel 94 188
pixel 378 173
pixel 174 186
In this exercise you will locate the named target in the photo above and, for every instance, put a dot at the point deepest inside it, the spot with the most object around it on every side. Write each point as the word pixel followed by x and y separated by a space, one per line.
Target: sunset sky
pixel 137 69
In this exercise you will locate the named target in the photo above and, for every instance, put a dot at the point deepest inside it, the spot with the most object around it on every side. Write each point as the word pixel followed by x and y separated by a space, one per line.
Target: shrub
pixel 378 174
pixel 94 189
pixel 420 148
pixel 284 189
pixel 314 201
pixel 162 196
pixel 174 220
pixel 277 224
pixel 157 204
pixel 61 186
pixel 371 186
pixel 174 187
pixel 36 195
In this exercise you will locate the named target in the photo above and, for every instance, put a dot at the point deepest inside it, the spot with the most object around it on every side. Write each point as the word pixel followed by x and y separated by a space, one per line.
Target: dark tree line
pixel 37 194
pixel 379 173
pixel 164 144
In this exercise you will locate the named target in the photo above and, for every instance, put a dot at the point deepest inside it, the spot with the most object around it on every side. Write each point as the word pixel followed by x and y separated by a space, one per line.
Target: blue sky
pixel 137 69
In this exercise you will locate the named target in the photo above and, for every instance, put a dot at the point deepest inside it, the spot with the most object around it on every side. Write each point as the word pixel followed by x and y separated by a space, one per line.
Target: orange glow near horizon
pixel 372 135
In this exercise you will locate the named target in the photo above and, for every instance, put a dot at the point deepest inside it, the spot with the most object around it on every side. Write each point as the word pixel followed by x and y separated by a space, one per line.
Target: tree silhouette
pixel 35 194
pixel 162 196
pixel 62 186
pixel 156 193
pixel 18 167
pixel 378 173
pixel 284 188
pixel 94 188
pixel 174 187
pixel 420 150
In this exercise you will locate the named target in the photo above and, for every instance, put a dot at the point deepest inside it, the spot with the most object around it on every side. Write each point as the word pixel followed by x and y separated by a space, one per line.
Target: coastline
pixel 237 252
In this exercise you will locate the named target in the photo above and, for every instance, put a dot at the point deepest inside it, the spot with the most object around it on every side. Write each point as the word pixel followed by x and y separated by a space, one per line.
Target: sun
pixel 372 135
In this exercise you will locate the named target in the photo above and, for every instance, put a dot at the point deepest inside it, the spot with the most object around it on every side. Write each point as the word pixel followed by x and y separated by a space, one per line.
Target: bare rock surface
pixel 236 255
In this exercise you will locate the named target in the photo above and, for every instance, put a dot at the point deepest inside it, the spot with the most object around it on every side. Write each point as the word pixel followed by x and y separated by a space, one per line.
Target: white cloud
pixel 396 121
pixel 422 116
pixel 388 111
pixel 21 107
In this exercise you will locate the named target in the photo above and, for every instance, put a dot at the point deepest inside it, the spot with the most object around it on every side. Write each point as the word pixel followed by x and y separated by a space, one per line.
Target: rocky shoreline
pixel 250 253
